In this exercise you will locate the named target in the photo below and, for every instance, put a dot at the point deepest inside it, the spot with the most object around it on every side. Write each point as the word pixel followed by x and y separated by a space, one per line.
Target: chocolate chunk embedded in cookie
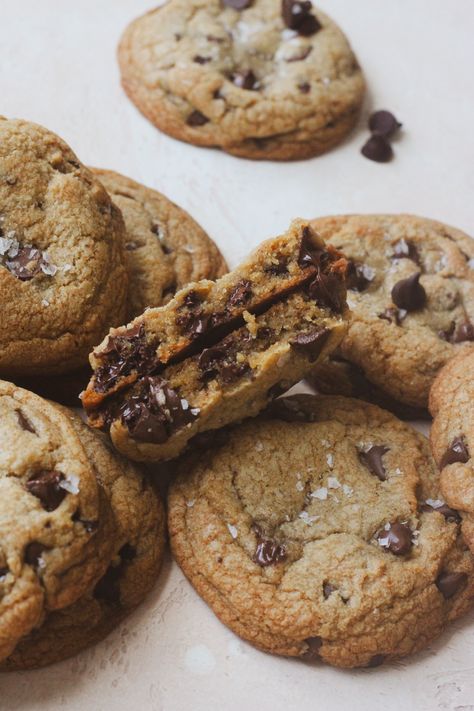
pixel 307 533
pixel 265 79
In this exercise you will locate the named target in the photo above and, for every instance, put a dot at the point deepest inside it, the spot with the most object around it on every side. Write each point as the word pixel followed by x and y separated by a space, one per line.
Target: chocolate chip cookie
pixel 411 294
pixel 262 79
pixel 452 437
pixel 62 278
pixel 56 531
pixel 219 351
pixel 135 561
pixel 165 248
pixel 314 532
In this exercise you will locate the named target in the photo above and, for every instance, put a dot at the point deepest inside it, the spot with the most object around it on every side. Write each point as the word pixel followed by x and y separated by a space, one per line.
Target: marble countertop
pixel 58 68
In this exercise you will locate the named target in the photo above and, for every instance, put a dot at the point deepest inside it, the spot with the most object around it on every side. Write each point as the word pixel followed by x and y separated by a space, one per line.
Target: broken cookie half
pixel 219 351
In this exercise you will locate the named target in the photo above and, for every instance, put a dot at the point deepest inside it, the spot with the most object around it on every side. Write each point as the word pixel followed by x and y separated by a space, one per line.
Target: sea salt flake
pixel 189 249
pixel 347 490
pixel 333 482
pixel 321 494
pixel 330 460
pixel 232 530
pixel 190 503
pixel 259 446
pixel 384 542
pixel 41 564
pixel 435 503
pixel 299 486
pixel 325 443
pixel 304 516
pixel 70 484
pixel 67 268
pixel 45 302
pixel 327 81
pixel 470 264
pixel 288 34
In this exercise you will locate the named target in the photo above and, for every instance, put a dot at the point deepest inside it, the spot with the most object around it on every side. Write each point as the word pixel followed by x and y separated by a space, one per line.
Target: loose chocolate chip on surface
pixel 311 342
pixel 378 149
pixel 450 583
pixel 245 79
pixel 297 16
pixel 359 276
pixel 33 553
pixel 409 294
pixel 268 551
pixel 155 411
pixel 196 118
pixel 397 538
pixel 457 452
pixel 384 123
pixel 240 294
pixel 238 4
pixel 45 485
pixel 404 249
pixel 372 459
pixel 393 315
pixel 24 422
pixel 441 507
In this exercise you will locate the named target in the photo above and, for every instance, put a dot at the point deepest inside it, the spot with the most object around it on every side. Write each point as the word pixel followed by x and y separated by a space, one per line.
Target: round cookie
pixel 165 249
pixel 452 436
pixel 263 80
pixel 135 563
pixel 311 534
pixel 411 295
pixel 62 279
pixel 56 530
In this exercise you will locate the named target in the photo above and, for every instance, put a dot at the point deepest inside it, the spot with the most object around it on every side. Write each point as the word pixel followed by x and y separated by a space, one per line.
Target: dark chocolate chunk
pixel 404 249
pixel 193 325
pixel 328 590
pixel 268 551
pixel 397 538
pixel 122 355
pixel 154 411
pixel 3 573
pixel 297 16
pixel 245 79
pixel 372 459
pixel 238 4
pixel 450 583
pixel 24 422
pixel 196 118
pixel 27 263
pixel 201 60
pixel 378 149
pixel 384 123
pixel 393 315
pixel 128 552
pixel 108 588
pixel 409 294
pixel 328 291
pixel 311 342
pixel 314 646
pixel 457 452
pixel 240 294
pixel 304 87
pixel 33 553
pixel 376 661
pixel 308 255
pixel 464 332
pixel 45 485
pixel 449 514
pixel 358 276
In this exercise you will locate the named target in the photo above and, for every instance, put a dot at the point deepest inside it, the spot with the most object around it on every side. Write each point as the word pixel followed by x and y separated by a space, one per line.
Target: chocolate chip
pixel 328 590
pixel 404 249
pixel 297 16
pixel 45 485
pixel 378 149
pixel 26 264
pixel 328 291
pixel 196 118
pixel 397 538
pixel 376 661
pixel 268 551
pixel 90 526
pixel 393 315
pixel 409 294
pixel 457 452
pixel 108 588
pixel 448 333
pixel 240 294
pixel 358 276
pixel 154 411
pixel 314 646
pixel 24 422
pixel 128 552
pixel 193 325
pixel 289 410
pixel 440 507
pixel 201 60
pixel 123 354
pixel 33 553
pixel 3 573
pixel 277 268
pixel 308 254
pixel 304 87
pixel 450 583
pixel 464 332
pixel 384 123
pixel 245 79
pixel 372 459
pixel 238 4
pixel 311 343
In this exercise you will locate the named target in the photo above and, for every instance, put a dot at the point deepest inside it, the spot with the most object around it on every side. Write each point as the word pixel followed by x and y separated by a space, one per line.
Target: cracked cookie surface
pixel 269 80
pixel 52 515
pixel 62 279
pixel 411 294
pixel 313 532
pixel 452 436
pixel 165 248
pixel 135 561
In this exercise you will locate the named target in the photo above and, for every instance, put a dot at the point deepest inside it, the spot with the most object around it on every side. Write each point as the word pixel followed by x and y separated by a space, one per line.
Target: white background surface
pixel 57 67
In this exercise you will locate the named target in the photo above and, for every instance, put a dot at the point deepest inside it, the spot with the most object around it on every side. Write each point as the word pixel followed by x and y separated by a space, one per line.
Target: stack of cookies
pixel 315 526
